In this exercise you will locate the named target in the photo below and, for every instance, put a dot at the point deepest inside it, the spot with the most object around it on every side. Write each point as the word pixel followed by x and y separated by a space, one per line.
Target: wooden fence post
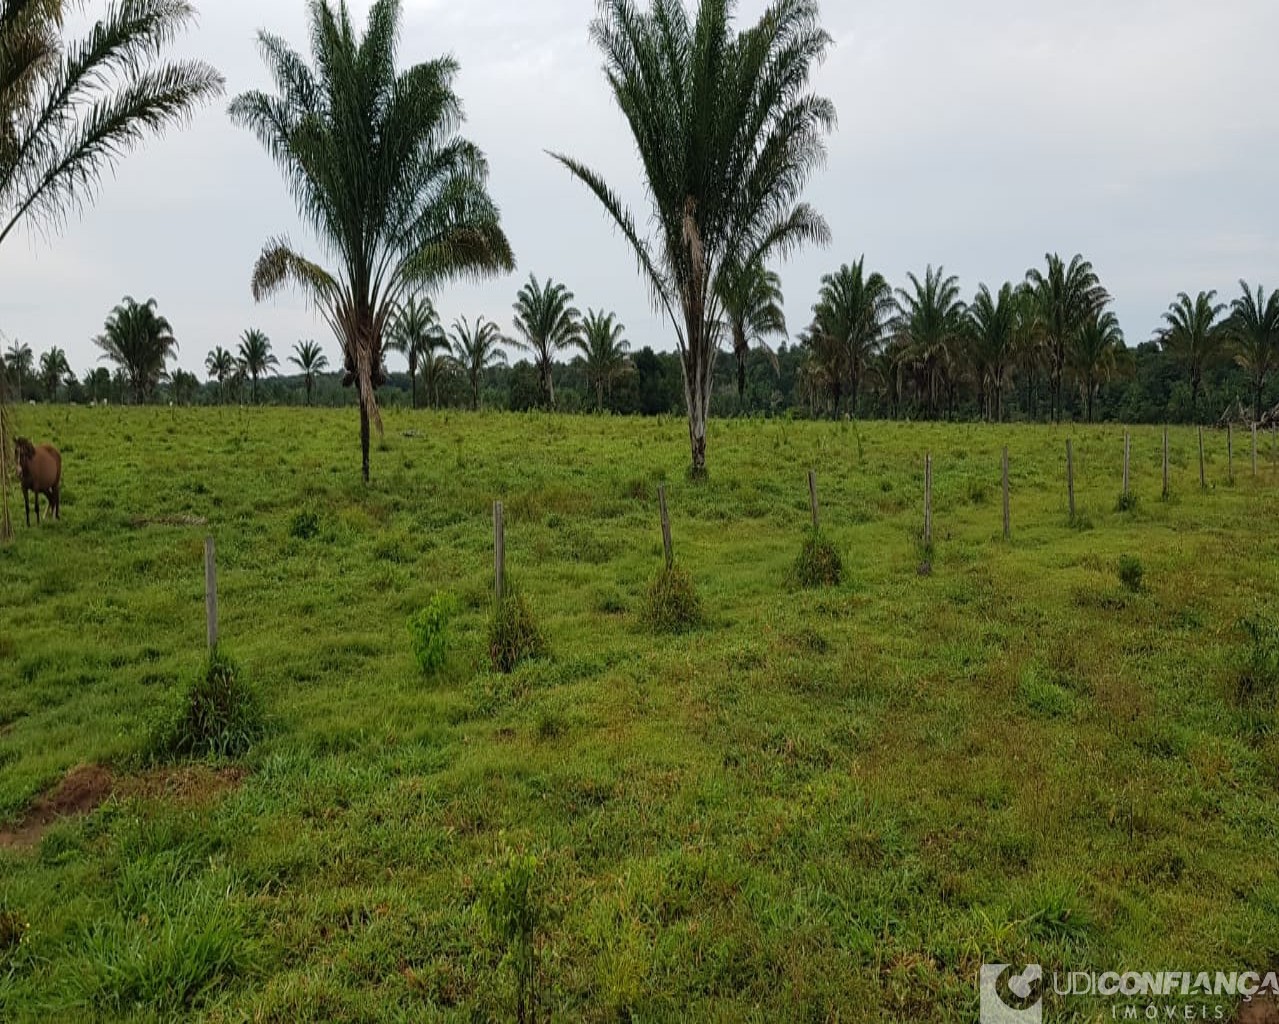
pixel 1165 463
pixel 1230 452
pixel 812 497
pixel 1070 477
pixel 499 551
pixel 1127 454
pixel 666 526
pixel 928 500
pixel 1008 526
pixel 210 594
pixel 1203 479
pixel 1254 451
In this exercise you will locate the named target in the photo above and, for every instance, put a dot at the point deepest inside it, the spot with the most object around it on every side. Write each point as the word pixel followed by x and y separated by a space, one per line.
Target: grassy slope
pixel 828 805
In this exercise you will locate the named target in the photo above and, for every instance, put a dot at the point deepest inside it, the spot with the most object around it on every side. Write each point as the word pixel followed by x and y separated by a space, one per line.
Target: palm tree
pixel 1068 298
pixel 1193 337
pixel 992 345
pixel 255 357
pixel 824 369
pixel 1094 354
pixel 852 309
pixel 1254 329
pixel 604 347
pixel 546 322
pixel 70 110
pixel 21 363
pixel 310 359
pixel 53 370
pixel 140 342
pixel 437 367
pixel 932 318
pixel 376 167
pixel 184 386
pixel 728 137
pixel 752 300
pixel 477 351
pixel 220 365
pixel 416 333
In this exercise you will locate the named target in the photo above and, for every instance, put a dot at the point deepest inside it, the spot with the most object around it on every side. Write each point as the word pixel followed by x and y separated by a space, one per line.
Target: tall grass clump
pixel 1258 679
pixel 220 715
pixel 671 604
pixel 1131 573
pixel 513 633
pixel 818 564
pixel 429 633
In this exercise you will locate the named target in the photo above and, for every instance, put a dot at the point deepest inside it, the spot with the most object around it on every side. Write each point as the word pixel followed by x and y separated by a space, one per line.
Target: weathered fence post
pixel 928 500
pixel 1127 455
pixel 1008 525
pixel 1230 452
pixel 1165 463
pixel 499 551
pixel 812 497
pixel 210 594
pixel 666 526
pixel 1203 479
pixel 1070 476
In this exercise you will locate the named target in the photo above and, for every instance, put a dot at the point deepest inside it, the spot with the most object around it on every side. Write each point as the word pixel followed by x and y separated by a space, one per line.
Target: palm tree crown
pixel 219 364
pixel 752 300
pixel 54 369
pixel 932 318
pixel 992 321
pixel 603 344
pixel 1068 296
pixel 851 312
pixel 476 351
pixel 1095 353
pixel 310 359
pixel 728 136
pixel 546 323
pixel 70 110
pixel 1192 336
pixel 377 169
pixel 1254 329
pixel 417 333
pixel 140 342
pixel 256 358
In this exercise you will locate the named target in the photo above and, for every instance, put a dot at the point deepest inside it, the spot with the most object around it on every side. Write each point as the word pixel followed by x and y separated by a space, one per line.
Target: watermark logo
pixel 1008 998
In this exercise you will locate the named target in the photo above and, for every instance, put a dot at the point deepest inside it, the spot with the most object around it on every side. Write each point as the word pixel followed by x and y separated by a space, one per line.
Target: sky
pixel 978 136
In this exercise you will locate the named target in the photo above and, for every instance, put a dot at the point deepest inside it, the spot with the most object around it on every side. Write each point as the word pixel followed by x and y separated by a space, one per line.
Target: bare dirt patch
pixel 1262 1010
pixel 80 791
pixel 192 784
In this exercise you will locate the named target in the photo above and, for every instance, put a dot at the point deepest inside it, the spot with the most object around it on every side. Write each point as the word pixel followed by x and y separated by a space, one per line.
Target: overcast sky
pixel 979 135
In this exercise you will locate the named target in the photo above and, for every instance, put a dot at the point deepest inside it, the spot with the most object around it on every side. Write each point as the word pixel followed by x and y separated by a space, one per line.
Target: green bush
pixel 1258 681
pixel 513 905
pixel 513 634
pixel 1131 573
pixel 818 564
pixel 220 715
pixel 429 633
pixel 671 604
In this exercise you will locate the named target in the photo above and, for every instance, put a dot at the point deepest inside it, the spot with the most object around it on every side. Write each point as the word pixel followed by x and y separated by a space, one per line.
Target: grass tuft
pixel 671 604
pixel 1131 573
pixel 220 715
pixel 1258 680
pixel 513 634
pixel 818 564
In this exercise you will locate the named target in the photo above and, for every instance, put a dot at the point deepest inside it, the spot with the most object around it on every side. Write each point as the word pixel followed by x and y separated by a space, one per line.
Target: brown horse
pixel 41 472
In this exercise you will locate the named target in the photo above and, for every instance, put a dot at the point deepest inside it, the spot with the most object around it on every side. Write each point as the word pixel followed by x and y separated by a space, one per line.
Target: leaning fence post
pixel 812 498
pixel 1070 476
pixel 210 594
pixel 1165 463
pixel 1203 479
pixel 1127 454
pixel 666 526
pixel 928 500
pixel 1008 526
pixel 499 551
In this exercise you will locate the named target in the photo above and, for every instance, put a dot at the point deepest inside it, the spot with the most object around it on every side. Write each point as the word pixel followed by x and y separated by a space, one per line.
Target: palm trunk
pixel 741 379
pixel 364 439
pixel 413 378
pixel 697 397
pixel 550 387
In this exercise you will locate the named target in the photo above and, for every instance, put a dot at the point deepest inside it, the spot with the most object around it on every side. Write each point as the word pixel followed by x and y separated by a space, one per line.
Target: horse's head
pixel 24 451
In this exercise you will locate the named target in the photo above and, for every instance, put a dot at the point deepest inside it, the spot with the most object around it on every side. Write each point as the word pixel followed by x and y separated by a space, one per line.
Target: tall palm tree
pixel 1254 329
pixel 53 370
pixel 376 167
pixel 932 317
pixel 69 110
pixel 852 309
pixel 1095 353
pixel 416 333
pixel 219 364
pixel 255 357
pixel 728 136
pixel 604 346
pixel 476 351
pixel 1069 296
pixel 310 359
pixel 824 369
pixel 1192 336
pixel 183 386
pixel 992 345
pixel 437 368
pixel 140 342
pixel 752 299
pixel 20 361
pixel 546 322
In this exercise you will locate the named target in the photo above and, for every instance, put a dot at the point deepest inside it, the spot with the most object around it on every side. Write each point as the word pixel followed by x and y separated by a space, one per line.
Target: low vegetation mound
pixel 818 564
pixel 513 635
pixel 220 715
pixel 671 604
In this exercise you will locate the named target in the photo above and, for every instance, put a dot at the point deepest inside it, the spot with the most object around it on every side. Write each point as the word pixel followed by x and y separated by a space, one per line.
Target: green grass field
pixel 826 805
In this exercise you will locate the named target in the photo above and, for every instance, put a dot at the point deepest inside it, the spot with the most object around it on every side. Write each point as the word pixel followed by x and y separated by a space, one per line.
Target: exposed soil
pixel 86 788
pixel 1262 1010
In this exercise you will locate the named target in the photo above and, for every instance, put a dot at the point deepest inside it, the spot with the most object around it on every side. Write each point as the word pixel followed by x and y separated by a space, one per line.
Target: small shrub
pixel 1258 681
pixel 512 904
pixel 818 564
pixel 1131 573
pixel 220 715
pixel 304 525
pixel 429 633
pixel 1127 503
pixel 513 634
pixel 671 604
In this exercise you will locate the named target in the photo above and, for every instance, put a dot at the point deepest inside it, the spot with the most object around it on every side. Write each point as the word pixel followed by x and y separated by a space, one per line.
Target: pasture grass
pixel 821 804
